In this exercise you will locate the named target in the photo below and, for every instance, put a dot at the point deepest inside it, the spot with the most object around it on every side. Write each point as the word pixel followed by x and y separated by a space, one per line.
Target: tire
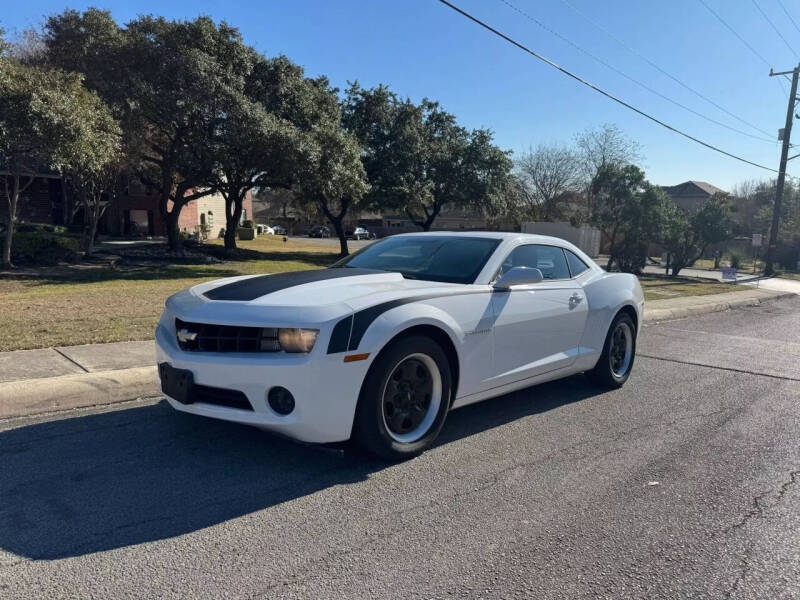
pixel 616 362
pixel 404 399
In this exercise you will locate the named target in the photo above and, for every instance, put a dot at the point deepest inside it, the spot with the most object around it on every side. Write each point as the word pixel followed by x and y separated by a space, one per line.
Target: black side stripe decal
pixel 340 335
pixel 364 318
pixel 255 287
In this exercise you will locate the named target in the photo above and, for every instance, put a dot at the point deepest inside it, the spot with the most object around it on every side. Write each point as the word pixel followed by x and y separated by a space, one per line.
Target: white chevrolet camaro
pixel 380 346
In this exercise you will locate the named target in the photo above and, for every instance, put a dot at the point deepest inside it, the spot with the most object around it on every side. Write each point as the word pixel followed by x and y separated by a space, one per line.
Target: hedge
pixel 45 248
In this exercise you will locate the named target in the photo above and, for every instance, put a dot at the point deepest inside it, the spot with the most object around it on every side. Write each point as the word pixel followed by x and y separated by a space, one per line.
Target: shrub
pixel 735 260
pixel 45 248
pixel 249 224
pixel 39 228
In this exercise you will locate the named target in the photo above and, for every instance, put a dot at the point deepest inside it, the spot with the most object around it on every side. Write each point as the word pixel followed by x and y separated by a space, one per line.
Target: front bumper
pixel 324 387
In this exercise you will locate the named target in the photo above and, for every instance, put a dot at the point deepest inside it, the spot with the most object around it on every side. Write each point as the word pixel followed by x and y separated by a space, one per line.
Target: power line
pixel 664 72
pixel 636 81
pixel 790 16
pixel 744 41
pixel 775 29
pixel 599 90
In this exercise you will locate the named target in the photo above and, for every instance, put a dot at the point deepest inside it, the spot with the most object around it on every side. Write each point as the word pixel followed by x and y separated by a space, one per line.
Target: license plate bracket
pixel 176 383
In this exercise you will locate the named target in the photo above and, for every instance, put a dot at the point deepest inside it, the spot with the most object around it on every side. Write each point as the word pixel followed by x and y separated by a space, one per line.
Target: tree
pixel 168 82
pixel 548 174
pixel 94 187
pixel 686 237
pixel 606 145
pixel 602 146
pixel 418 160
pixel 333 177
pixel 48 120
pixel 251 148
pixel 630 213
pixel 265 132
pixel 90 43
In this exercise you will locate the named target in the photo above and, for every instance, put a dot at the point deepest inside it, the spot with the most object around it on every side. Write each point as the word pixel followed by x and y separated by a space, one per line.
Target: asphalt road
pixel 683 484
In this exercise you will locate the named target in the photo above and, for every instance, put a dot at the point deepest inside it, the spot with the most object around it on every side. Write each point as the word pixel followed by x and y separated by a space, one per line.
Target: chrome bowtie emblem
pixel 184 335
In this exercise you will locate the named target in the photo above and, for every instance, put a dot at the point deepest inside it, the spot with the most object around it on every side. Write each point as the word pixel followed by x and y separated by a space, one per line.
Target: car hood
pixel 301 297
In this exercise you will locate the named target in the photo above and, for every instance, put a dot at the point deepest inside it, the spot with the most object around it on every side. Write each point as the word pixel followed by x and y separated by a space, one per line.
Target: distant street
pixel 683 484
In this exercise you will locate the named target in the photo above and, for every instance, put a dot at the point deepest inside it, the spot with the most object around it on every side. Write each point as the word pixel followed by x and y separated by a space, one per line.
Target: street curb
pixel 667 314
pixel 67 392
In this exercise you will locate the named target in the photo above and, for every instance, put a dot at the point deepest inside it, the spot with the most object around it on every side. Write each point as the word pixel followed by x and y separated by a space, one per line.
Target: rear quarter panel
pixel 606 294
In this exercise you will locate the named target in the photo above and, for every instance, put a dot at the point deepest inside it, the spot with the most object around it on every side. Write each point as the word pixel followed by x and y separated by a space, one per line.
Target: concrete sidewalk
pixel 66 378
pixel 70 377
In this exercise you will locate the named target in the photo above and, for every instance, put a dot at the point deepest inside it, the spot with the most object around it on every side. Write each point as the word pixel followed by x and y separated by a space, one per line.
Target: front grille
pixel 220 397
pixel 205 337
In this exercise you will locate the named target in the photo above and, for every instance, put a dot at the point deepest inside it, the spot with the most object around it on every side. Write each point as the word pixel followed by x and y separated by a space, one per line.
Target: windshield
pixel 449 259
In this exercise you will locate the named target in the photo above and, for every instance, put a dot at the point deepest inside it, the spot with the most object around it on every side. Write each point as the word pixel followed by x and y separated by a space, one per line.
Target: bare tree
pixel 29 47
pixel 548 174
pixel 599 147
pixel 606 145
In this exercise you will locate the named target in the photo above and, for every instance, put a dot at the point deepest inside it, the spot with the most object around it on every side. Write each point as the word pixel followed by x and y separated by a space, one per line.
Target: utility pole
pixel 769 269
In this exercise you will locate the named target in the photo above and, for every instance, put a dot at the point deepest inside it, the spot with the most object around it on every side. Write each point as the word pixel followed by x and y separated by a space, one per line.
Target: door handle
pixel 575 299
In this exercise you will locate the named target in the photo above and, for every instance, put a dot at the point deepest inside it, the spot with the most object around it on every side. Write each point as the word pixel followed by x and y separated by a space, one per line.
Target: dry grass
pixel 88 304
pixel 660 288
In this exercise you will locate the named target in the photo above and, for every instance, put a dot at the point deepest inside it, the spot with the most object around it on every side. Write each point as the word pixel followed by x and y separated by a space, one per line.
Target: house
pixel 43 201
pixel 690 195
pixel 133 212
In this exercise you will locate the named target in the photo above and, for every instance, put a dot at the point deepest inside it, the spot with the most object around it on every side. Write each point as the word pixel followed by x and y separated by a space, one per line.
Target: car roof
pixel 498 235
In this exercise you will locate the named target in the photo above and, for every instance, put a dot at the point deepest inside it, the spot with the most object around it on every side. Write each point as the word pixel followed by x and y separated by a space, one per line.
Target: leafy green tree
pixel 629 212
pixel 418 160
pixel 687 236
pixel 251 148
pixel 264 135
pixel 177 76
pixel 90 43
pixel 48 119
pixel 169 83
pixel 333 176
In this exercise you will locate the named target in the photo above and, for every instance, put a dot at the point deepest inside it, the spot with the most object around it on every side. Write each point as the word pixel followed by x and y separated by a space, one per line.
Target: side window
pixel 548 259
pixel 576 265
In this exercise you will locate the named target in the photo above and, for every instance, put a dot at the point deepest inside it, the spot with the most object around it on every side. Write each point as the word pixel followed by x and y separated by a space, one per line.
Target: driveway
pixel 683 484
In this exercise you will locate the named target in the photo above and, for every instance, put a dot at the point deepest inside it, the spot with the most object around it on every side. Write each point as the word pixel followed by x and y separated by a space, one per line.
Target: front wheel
pixel 615 363
pixel 404 399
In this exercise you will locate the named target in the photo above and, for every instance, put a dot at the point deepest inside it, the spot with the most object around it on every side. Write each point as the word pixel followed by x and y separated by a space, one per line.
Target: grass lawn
pixel 83 304
pixel 660 288
pixel 89 303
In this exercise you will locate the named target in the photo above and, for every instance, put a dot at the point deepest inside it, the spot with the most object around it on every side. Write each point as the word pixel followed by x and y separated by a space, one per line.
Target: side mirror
pixel 518 276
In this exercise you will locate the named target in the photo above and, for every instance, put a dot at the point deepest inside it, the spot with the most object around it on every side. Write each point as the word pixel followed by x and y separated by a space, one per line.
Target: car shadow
pixel 87 484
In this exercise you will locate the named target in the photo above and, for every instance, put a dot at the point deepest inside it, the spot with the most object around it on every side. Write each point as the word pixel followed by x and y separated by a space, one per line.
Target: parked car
pixel 320 231
pixel 359 233
pixel 279 230
pixel 382 345
pixel 264 230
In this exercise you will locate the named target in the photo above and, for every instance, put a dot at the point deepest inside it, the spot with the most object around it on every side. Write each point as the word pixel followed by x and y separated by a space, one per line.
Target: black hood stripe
pixel 256 287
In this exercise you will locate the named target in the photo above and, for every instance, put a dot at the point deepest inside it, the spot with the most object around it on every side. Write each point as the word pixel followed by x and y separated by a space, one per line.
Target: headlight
pixel 297 340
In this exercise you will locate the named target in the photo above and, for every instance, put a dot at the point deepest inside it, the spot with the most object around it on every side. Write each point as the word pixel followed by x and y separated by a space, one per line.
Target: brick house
pixel 134 212
pixel 44 201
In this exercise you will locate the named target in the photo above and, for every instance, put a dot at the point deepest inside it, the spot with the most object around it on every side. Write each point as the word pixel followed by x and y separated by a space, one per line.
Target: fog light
pixel 281 400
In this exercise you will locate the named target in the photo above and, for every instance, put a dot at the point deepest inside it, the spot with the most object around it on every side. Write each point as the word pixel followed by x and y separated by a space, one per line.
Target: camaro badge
pixel 184 335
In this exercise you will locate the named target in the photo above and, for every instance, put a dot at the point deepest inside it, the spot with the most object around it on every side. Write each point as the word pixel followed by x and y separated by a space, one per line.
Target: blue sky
pixel 420 48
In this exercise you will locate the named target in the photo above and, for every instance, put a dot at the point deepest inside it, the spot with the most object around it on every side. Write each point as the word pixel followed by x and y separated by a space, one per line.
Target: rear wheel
pixel 404 399
pixel 619 351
